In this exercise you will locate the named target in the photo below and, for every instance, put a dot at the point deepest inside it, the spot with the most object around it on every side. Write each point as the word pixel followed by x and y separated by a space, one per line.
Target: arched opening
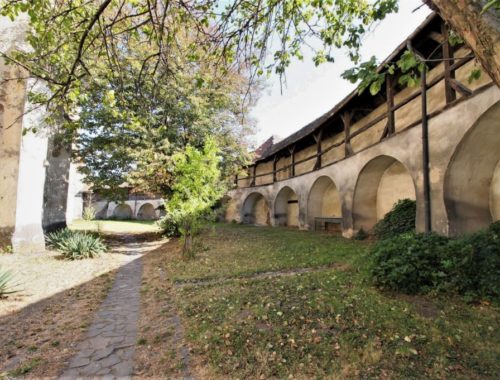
pixel 101 209
pixel 472 181
pixel 123 211
pixel 323 206
pixel 381 183
pixel 286 208
pixel 255 210
pixel 146 212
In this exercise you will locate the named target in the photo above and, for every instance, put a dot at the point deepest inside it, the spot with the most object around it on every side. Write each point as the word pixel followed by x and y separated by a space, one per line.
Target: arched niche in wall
pixel 146 212
pixel 381 183
pixel 255 210
pixel 323 201
pixel 472 180
pixel 286 208
pixel 123 211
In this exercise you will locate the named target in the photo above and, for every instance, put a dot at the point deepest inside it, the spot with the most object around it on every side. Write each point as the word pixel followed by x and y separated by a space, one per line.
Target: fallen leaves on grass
pixel 160 352
pixel 328 324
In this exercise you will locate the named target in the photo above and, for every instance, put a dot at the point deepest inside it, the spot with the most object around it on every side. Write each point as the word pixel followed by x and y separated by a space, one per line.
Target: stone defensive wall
pixel 345 170
pixel 140 209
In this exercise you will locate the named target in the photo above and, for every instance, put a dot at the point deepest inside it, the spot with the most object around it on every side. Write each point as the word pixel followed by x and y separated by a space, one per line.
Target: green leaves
pixel 407 62
pixel 420 263
pixel 407 69
pixel 80 42
pixel 197 186
pixel 6 283
pixel 368 76
pixel 475 74
pixel 76 245
pixel 492 4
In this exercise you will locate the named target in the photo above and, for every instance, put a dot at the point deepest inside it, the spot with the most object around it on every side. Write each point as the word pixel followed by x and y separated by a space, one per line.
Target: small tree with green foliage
pixel 196 188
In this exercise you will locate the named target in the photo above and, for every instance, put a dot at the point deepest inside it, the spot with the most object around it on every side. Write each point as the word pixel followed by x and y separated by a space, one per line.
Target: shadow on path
pixel 40 340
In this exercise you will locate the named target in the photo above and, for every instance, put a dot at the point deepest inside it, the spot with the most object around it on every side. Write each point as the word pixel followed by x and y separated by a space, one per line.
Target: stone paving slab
pixel 108 349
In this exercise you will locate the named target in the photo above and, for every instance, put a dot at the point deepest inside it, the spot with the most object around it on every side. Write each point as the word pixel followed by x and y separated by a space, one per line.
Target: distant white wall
pixel 135 206
pixel 74 208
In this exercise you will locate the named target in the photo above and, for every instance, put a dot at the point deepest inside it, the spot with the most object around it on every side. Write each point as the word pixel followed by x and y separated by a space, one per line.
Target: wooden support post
pixel 317 137
pixel 275 161
pixel 346 120
pixel 292 154
pixel 449 74
pixel 425 156
pixel 391 125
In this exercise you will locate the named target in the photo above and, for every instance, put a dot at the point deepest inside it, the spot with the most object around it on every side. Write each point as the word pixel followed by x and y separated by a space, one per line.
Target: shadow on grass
pixel 40 339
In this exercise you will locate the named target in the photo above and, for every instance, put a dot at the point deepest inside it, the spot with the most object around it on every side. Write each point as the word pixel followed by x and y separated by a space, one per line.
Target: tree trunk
pixel 187 249
pixel 480 32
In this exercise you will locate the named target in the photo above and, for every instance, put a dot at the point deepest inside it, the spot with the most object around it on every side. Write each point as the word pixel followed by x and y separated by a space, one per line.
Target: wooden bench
pixel 328 224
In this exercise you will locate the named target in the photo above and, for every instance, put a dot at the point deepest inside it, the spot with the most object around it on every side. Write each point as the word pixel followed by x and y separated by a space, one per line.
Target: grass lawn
pixel 116 226
pixel 233 250
pixel 327 324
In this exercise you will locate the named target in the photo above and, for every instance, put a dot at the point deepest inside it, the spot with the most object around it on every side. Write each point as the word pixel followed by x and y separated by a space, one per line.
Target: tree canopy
pixel 77 43
pixel 128 133
pixel 134 81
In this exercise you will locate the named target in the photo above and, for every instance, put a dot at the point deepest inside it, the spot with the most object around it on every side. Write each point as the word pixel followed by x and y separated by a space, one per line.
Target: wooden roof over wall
pixel 418 37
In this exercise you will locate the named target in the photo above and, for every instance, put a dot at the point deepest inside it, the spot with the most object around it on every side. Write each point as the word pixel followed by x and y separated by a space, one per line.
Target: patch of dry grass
pixel 39 339
pixel 41 324
pixel 43 275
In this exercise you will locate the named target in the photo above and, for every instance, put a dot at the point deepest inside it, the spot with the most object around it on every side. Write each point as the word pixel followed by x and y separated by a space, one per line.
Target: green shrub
pixel 6 285
pixel 89 213
pixel 397 221
pixel 75 245
pixel 169 226
pixel 417 263
pixel 408 263
pixel 472 265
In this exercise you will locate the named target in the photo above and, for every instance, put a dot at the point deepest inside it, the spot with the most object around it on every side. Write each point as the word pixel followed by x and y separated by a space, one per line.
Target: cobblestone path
pixel 108 349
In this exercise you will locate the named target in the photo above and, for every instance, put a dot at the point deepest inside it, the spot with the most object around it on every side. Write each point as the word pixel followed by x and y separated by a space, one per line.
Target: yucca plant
pixel 89 213
pixel 6 285
pixel 75 245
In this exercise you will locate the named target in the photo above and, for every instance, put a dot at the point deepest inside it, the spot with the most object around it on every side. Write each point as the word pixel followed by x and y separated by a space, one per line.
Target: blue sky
pixel 311 91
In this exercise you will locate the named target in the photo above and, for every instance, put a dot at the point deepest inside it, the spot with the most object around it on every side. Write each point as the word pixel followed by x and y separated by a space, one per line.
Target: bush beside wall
pixel 417 263
pixel 409 262
pixel 397 221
